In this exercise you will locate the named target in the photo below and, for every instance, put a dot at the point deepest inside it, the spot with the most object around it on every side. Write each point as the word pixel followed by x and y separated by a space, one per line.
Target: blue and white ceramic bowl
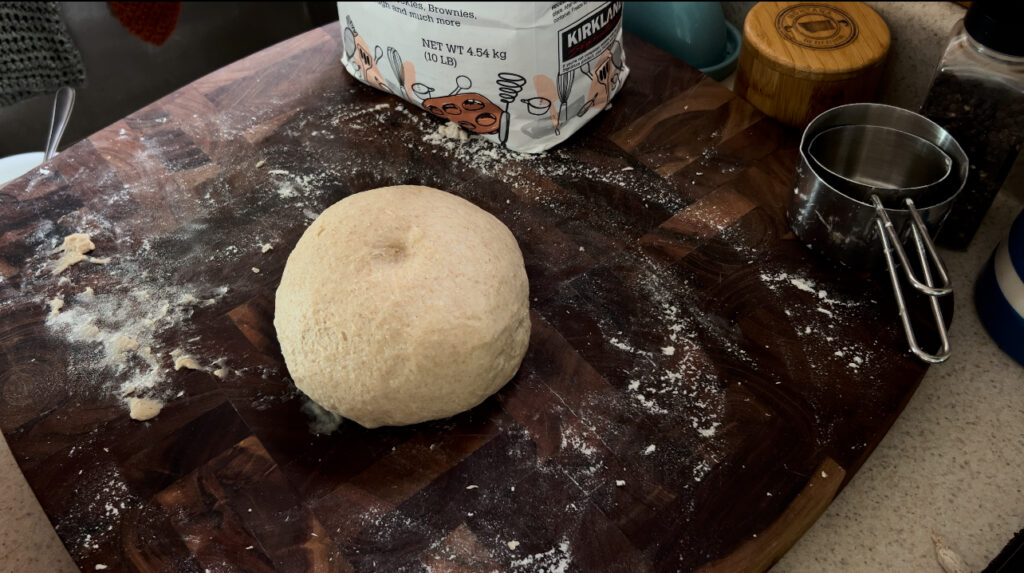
pixel 999 293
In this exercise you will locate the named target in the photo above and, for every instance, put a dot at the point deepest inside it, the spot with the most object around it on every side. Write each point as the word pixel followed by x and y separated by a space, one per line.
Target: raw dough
pixel 56 303
pixel 182 360
pixel 452 130
pixel 401 305
pixel 72 251
pixel 143 409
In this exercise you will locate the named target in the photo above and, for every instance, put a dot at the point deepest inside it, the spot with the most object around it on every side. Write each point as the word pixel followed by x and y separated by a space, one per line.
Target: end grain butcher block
pixel 696 391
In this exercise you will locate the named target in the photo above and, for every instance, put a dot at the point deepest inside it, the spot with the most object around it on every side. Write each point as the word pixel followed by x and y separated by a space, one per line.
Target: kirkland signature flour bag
pixel 525 75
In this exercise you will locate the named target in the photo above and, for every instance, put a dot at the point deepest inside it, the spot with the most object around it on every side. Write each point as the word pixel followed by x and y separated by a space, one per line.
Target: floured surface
pixel 671 405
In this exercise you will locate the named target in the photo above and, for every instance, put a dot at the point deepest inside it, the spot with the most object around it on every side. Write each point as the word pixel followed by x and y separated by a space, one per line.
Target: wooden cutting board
pixel 697 389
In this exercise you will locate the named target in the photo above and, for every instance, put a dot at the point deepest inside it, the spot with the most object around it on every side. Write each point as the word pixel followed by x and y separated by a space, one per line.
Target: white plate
pixel 14 166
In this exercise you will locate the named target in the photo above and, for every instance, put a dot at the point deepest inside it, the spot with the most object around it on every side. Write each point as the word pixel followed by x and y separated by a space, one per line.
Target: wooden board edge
pixel 764 550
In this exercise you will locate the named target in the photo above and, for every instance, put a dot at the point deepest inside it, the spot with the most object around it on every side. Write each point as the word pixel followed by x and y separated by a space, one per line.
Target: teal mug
pixel 695 32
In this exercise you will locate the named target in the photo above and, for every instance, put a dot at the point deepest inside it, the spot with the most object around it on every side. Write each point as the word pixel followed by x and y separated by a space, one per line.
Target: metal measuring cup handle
pixel 925 250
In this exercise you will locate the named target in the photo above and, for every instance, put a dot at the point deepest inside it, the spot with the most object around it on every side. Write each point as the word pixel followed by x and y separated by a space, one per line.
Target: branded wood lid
pixel 800 58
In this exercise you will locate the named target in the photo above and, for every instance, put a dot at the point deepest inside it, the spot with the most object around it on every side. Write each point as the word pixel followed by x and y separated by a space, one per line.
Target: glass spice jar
pixel 977 95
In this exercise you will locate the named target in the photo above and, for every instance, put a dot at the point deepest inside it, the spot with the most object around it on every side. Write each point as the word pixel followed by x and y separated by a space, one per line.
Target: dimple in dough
pixel 403 304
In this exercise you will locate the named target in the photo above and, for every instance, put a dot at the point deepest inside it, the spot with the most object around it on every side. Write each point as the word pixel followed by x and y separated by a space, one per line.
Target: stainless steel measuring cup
pixel 865 160
pixel 847 220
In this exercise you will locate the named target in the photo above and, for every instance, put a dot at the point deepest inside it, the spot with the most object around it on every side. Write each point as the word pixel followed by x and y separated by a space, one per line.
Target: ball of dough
pixel 403 304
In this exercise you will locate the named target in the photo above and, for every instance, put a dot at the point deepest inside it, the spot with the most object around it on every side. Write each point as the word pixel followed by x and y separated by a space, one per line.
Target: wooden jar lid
pixel 799 59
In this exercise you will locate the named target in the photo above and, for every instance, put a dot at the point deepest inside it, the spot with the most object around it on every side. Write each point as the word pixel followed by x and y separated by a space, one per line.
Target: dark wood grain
pixel 658 226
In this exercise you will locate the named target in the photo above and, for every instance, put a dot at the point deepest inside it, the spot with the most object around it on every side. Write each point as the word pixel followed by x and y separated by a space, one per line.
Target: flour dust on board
pixel 525 75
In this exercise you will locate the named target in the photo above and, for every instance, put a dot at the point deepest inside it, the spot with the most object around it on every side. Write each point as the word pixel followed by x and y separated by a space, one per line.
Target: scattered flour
pixel 621 345
pixel 287 190
pixel 121 330
pixel 825 320
pixel 555 560
pixel 321 421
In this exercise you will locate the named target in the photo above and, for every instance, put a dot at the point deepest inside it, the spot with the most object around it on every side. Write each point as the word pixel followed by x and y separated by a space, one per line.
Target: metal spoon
pixel 62 104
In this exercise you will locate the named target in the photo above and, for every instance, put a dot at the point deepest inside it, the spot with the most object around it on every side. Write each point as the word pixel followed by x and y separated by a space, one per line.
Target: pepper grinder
pixel 977 95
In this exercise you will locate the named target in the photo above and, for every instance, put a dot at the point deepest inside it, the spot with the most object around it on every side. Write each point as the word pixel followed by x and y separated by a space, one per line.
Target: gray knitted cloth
pixel 37 55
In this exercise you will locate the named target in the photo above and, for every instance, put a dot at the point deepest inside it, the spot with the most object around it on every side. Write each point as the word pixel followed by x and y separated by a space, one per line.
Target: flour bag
pixel 524 75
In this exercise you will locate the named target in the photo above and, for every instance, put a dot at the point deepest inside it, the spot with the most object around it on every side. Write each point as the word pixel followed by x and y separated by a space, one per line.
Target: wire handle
pixel 925 250
pixel 919 228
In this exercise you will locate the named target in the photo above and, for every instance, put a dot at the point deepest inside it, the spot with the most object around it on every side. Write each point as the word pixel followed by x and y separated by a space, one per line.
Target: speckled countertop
pixel 951 465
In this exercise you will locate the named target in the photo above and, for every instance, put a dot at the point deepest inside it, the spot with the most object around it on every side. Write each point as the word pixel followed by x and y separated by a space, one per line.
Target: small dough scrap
pixel 73 248
pixel 266 247
pixel 87 331
pixel 76 243
pixel 123 343
pixel 56 303
pixel 452 130
pixel 99 261
pixel 118 346
pixel 143 409
pixel 87 294
pixel 68 259
pixel 256 270
pixel 182 360
pixel 160 314
pixel 186 362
